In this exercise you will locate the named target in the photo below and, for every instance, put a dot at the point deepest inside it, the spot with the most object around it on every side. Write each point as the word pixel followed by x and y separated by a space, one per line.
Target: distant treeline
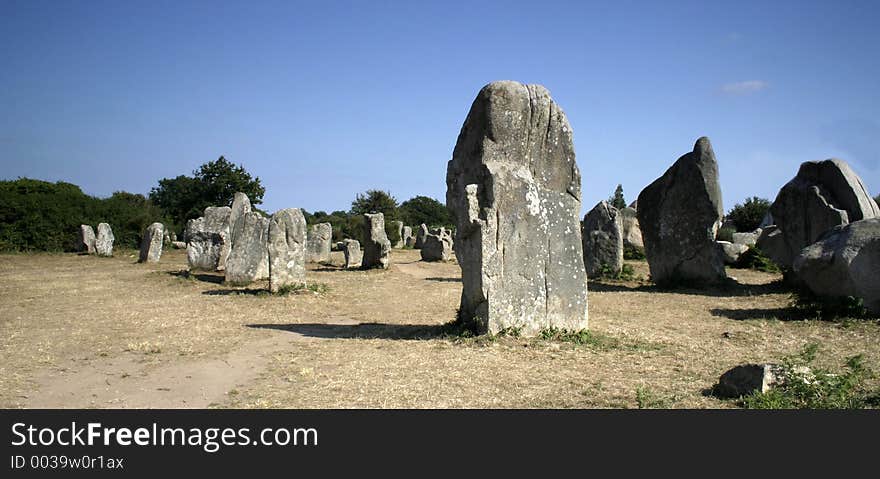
pixel 38 215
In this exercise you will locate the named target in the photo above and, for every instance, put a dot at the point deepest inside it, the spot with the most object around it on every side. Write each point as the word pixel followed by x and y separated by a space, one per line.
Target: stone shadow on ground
pixel 361 331
pixel 204 277
pixel 750 314
pixel 444 280
pixel 727 289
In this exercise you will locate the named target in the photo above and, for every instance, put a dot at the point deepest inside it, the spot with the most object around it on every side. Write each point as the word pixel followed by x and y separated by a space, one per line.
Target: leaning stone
pixel 515 189
pixel 104 240
pixel 603 240
pixel 376 247
pixel 151 245
pixel 420 236
pixel 249 257
pixel 632 234
pixel 844 262
pixel 353 255
pixel 86 239
pixel 822 195
pixel 679 215
pixel 731 251
pixel 287 249
pixel 437 248
pixel 241 205
pixel 318 241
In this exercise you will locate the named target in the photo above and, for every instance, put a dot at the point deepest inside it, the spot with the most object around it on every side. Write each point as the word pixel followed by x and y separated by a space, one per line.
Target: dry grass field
pixel 81 331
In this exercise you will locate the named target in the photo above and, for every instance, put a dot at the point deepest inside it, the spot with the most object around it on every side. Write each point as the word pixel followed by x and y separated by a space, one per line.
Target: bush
pixel 803 386
pixel 725 234
pixel 626 273
pixel 38 215
pixel 753 258
pixel 748 215
pixel 809 305
pixel 631 252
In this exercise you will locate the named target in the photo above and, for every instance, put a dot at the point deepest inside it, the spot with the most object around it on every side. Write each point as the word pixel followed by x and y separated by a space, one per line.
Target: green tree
pixel 616 200
pixel 748 215
pixel 212 184
pixel 375 201
pixel 422 209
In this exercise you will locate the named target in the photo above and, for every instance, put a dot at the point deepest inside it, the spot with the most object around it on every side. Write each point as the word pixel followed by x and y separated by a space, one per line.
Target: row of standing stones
pixel 513 185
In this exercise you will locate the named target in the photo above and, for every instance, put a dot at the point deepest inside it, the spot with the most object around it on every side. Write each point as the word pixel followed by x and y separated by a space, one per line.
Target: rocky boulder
pixel 207 237
pixel 249 256
pixel 287 249
pixel 822 195
pixel 420 236
pixel 377 248
pixel 104 240
pixel 86 239
pixel 844 262
pixel 679 215
pixel 351 249
pixel 632 234
pixel 515 189
pixel 748 239
pixel 436 248
pixel 603 240
pixel 318 241
pixel 151 244
pixel 731 251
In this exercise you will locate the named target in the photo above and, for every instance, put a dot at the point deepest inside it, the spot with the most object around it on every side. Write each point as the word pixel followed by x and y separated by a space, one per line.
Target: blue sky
pixel 323 100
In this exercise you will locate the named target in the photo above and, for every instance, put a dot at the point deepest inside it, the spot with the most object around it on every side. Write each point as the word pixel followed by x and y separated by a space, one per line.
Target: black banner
pixel 137 442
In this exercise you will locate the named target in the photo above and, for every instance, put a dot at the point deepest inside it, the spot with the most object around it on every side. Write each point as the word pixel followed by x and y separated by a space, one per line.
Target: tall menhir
pixel 515 189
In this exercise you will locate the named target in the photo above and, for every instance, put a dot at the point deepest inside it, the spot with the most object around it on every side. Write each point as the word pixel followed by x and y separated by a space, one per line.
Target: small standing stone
pixel 151 245
pixel 353 255
pixel 104 240
pixel 437 247
pixel 408 240
pixel 87 239
pixel 603 240
pixel 287 249
pixel 420 236
pixel 318 241
pixel 398 226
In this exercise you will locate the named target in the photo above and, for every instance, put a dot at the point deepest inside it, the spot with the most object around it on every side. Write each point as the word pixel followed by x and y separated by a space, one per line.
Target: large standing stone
pixel 679 215
pixel 353 255
pixel 287 249
pixel 249 258
pixel 151 244
pixel 420 236
pixel 515 189
pixel 241 205
pixel 398 226
pixel 824 194
pixel 318 243
pixel 86 239
pixel 845 262
pixel 603 240
pixel 377 248
pixel 436 247
pixel 206 237
pixel 632 234
pixel 104 240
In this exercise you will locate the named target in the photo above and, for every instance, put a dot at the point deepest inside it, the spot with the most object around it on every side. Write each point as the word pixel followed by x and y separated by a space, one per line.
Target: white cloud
pixel 744 87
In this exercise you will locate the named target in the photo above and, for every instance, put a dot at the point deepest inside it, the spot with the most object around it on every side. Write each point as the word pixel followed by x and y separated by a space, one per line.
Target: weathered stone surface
pixel 104 240
pixel 679 215
pixel 152 242
pixel 398 225
pixel 241 205
pixel 632 234
pixel 437 248
pixel 731 251
pixel 249 258
pixel 514 187
pixel 748 239
pixel 178 245
pixel 287 249
pixel 353 255
pixel 376 247
pixel 745 379
pixel 411 242
pixel 844 262
pixel 318 241
pixel 824 194
pixel 420 236
pixel 408 240
pixel 603 240
pixel 206 237
pixel 86 239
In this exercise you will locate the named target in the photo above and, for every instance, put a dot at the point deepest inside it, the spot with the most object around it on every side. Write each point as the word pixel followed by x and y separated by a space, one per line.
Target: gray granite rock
pixel 87 239
pixel 287 249
pixel 515 189
pixel 248 259
pixel 318 241
pixel 398 225
pixel 351 249
pixel 152 242
pixel 207 237
pixel 241 205
pixel 420 236
pixel 104 240
pixel 437 248
pixel 376 247
pixel 603 240
pixel 632 234
pixel 679 215
pixel 748 239
pixel 731 251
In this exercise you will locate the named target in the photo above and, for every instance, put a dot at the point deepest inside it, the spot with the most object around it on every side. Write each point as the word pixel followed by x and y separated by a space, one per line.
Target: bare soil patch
pixel 82 331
